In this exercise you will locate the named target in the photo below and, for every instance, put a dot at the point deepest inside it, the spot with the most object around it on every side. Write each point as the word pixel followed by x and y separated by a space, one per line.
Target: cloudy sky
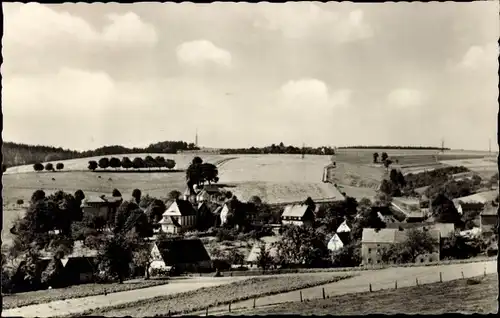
pixel 82 76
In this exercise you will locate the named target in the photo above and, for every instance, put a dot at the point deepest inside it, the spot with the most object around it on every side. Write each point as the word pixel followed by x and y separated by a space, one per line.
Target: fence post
pixel 440 277
pixel 396 285
pixel 484 271
pixel 229 307
pixel 206 311
pixel 370 287
pixel 169 313
pixel 416 280
pixel 254 300
pixel 300 294
pixel 324 293
pixel 463 275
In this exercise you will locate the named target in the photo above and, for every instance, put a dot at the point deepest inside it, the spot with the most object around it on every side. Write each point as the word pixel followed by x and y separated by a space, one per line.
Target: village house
pixel 445 229
pixel 485 198
pixel 335 243
pixel 186 255
pixel 469 207
pixel 179 216
pixel 373 242
pixel 488 220
pixel 104 206
pixel 297 214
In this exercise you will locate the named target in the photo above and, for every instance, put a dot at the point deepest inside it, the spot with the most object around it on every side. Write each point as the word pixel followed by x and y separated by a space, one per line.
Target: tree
pixel 384 156
pixel 103 163
pixel 174 195
pixel 115 163
pixel 264 259
pixel 417 242
pixel 160 162
pixel 93 165
pixel 114 258
pixel 38 195
pixel 79 195
pixel 310 203
pixel 301 245
pixel 387 163
pixel 50 276
pixel 136 194
pixel 138 163
pixel 122 215
pixel 386 187
pixel 444 210
pixel 235 257
pixel 49 167
pixel 401 179
pixel 393 176
pixel 60 166
pixel 20 202
pixel 155 211
pixel 141 255
pixel 150 162
pixel 348 256
pixel 126 163
pixel 116 193
pixel 4 168
pixel 170 164
pixel 209 173
pixel 38 166
pixel 375 157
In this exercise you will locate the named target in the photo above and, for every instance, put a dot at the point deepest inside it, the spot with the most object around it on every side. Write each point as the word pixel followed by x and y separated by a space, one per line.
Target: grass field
pixel 200 299
pixel 44 296
pixel 459 296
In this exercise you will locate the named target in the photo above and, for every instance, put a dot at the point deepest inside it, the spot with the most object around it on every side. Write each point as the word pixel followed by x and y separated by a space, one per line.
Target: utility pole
pixel 489 149
pixel 442 145
pixel 196 138
pixel 303 150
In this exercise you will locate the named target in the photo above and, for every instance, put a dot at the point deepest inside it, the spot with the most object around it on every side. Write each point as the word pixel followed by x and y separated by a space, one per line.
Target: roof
pixel 483 197
pixel 102 199
pixel 421 190
pixel 182 207
pixel 445 229
pixel 79 250
pixel 182 251
pixel 490 211
pixel 295 210
pixel 471 206
pixel 343 227
pixel 335 243
pixel 415 215
pixel 255 251
pixel 380 236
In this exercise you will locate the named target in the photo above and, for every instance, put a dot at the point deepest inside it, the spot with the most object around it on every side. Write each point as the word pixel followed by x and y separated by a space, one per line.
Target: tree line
pixel 280 149
pixel 15 154
pixel 137 163
pixel 48 166
pixel 395 147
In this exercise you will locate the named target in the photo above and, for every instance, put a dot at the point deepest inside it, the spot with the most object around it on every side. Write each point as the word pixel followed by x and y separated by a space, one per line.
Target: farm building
pixel 187 255
pixel 373 241
pixel 468 207
pixel 488 220
pixel 297 214
pixel 269 243
pixel 101 205
pixel 343 227
pixel 180 215
pixel 338 241
pixel 485 197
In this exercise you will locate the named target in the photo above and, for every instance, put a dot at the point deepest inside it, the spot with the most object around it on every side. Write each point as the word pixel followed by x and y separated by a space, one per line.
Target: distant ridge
pixel 395 147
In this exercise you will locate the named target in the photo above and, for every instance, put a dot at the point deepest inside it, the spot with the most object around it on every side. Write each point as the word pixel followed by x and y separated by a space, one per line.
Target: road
pixel 380 279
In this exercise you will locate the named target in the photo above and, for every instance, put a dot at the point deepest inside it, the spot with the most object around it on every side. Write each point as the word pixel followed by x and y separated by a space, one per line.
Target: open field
pixel 356 175
pixel 476 295
pixel 182 161
pixel 77 291
pixel 485 167
pixel 200 299
pixel 379 279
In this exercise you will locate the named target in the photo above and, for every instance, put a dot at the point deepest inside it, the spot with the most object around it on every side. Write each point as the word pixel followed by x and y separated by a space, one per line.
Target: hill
pixel 16 154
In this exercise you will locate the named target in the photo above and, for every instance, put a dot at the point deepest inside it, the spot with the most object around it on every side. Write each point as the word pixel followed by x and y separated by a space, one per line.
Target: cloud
pixel 34 25
pixel 298 20
pixel 479 57
pixel 405 98
pixel 312 92
pixel 199 52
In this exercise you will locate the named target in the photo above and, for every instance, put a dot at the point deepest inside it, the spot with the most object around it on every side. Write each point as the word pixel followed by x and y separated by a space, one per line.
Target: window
pixel 421 260
pixel 369 261
pixel 369 250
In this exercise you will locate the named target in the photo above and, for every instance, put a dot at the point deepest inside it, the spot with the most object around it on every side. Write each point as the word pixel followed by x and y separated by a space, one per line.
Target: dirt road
pixel 379 279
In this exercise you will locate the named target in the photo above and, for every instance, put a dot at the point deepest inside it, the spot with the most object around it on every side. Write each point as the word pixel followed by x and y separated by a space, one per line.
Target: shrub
pixel 223 234
pixel 20 202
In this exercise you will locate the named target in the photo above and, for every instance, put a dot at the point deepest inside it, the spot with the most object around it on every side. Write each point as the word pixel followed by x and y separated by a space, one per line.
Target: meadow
pixel 466 296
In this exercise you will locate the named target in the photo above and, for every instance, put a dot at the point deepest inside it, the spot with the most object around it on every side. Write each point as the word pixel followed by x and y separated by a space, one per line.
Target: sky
pixel 82 76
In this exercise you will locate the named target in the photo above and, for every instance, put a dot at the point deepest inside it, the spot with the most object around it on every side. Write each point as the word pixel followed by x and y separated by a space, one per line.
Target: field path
pixel 380 279
pixel 78 305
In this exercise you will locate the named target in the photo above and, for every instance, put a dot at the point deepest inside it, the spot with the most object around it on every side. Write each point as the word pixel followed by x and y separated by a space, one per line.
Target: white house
pixel 335 243
pixel 299 214
pixel 179 215
pixel 223 214
pixel 343 227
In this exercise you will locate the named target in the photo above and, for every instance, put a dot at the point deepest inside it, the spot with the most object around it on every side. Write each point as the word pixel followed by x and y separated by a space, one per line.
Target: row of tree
pixel 15 154
pixel 395 147
pixel 48 166
pixel 281 149
pixel 137 163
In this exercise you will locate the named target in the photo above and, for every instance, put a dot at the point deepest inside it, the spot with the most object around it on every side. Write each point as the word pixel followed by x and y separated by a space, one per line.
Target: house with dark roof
pixel 179 216
pixel 373 242
pixel 103 205
pixel 488 220
pixel 185 255
pixel 297 214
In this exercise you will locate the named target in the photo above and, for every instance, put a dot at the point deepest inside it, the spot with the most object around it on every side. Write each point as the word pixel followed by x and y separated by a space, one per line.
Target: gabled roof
pixel 297 210
pixel 335 243
pixel 182 251
pixel 182 207
pixel 483 197
pixel 390 235
pixel 445 229
pixel 79 250
pixel 343 227
pixel 490 211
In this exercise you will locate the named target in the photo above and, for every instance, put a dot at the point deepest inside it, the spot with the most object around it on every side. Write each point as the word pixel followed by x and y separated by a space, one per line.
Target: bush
pixel 20 202
pixel 223 234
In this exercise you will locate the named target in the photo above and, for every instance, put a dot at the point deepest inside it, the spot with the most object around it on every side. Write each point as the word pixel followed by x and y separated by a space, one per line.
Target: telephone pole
pixel 196 138
pixel 303 150
pixel 442 145
pixel 489 149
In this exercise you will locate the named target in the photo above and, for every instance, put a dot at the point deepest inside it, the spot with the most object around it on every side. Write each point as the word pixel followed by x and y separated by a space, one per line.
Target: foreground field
pixel 200 299
pixel 44 296
pixel 465 296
